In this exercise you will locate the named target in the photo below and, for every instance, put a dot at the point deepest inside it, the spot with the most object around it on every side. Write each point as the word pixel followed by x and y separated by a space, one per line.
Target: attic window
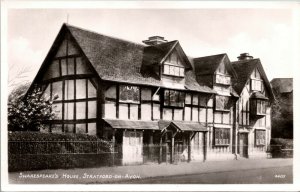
pixel 222 79
pixel 173 70
pixel 256 85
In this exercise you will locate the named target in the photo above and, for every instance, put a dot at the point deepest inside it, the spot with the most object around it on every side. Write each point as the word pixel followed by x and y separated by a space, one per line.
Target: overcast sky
pixel 264 33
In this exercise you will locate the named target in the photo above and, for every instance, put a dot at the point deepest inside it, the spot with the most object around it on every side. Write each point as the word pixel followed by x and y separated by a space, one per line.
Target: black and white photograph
pixel 111 95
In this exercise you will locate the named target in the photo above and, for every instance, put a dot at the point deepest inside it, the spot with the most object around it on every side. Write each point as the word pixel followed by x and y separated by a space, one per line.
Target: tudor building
pixel 152 94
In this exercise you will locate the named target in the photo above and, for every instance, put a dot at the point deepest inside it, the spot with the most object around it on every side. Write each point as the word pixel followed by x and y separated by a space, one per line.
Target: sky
pixel 263 33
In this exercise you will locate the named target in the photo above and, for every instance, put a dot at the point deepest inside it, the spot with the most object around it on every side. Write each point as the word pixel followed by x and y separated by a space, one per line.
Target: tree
pixel 28 112
pixel 282 120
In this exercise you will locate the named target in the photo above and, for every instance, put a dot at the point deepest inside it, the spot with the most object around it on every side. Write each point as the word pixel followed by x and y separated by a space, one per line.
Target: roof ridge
pixel 109 36
pixel 244 61
pixel 210 56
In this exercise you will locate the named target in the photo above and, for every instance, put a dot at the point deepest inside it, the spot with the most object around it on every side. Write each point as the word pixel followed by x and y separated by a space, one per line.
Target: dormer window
pixel 256 81
pixel 222 76
pixel 173 66
pixel 222 79
pixel 173 70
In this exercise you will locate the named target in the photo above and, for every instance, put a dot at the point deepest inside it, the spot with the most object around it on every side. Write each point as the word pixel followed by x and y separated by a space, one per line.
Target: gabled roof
pixel 208 65
pixel 118 60
pixel 154 54
pixel 114 59
pixel 282 85
pixel 182 125
pixel 244 69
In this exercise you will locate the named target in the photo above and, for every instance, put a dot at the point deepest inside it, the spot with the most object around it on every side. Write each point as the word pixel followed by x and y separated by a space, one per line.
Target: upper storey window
pixel 256 81
pixel 222 76
pixel 173 98
pixel 173 66
pixel 129 94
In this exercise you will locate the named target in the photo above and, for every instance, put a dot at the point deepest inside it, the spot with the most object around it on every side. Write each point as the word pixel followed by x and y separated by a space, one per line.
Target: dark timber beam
pixel 191 135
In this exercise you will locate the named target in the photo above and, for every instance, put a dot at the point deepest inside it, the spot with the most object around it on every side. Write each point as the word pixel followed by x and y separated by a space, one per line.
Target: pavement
pixel 136 172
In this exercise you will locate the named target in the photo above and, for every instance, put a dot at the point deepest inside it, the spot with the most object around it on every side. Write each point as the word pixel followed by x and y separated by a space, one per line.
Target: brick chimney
pixel 155 40
pixel 244 56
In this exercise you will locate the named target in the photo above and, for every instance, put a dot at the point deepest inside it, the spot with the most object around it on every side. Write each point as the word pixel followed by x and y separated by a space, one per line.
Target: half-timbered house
pixel 154 101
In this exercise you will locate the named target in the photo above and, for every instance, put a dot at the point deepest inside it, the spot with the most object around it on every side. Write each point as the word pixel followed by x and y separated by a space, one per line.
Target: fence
pixel 32 155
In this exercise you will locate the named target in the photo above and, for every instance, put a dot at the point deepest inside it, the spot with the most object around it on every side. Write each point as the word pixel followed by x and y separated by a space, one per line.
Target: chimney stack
pixel 244 56
pixel 155 40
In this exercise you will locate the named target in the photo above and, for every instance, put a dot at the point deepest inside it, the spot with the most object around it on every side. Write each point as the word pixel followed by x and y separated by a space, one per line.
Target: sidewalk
pixel 122 173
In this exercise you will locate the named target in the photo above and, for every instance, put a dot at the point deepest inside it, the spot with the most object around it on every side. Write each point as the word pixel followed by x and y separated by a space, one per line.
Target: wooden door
pixel 243 144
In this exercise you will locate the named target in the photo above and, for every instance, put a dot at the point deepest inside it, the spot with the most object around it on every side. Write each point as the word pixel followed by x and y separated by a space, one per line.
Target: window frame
pixel 253 88
pixel 225 103
pixel 225 132
pixel 259 136
pixel 179 98
pixel 263 104
pixel 224 76
pixel 175 67
pixel 130 101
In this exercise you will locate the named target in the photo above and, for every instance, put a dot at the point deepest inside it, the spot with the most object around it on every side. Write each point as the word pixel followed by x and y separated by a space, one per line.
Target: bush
pixel 281 148
pixel 35 150
pixel 28 112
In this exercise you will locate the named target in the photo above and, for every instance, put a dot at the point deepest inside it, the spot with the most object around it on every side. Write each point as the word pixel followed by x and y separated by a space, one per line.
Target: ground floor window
pixel 260 137
pixel 222 136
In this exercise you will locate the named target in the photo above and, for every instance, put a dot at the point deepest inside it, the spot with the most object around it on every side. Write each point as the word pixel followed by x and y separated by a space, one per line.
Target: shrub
pixel 282 148
pixel 28 113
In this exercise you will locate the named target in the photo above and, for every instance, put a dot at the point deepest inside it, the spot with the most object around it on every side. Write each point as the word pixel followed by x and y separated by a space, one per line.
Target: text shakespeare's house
pixel 152 94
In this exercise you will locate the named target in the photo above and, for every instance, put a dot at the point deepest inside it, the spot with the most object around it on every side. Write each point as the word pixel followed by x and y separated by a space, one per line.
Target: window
pixel 173 70
pixel 173 98
pixel 222 103
pixel 256 85
pixel 260 137
pixel 258 107
pixel 57 90
pixel 129 94
pixel 222 79
pixel 222 136
pixel 81 92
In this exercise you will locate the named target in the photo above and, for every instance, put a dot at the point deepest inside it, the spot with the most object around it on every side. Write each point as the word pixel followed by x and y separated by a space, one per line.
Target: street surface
pixel 280 175
pixel 254 171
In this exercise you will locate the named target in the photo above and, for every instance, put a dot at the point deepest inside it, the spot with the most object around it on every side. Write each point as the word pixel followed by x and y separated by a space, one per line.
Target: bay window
pixel 258 107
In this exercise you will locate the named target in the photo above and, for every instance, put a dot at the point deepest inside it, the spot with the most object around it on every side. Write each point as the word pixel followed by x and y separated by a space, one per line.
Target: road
pixel 273 175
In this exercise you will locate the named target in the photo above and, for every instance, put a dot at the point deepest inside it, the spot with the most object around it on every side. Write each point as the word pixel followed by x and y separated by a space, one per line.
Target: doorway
pixel 243 145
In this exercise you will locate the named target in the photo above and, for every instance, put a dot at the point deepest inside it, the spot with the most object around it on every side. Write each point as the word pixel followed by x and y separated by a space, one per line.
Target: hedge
pixel 281 148
pixel 35 150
